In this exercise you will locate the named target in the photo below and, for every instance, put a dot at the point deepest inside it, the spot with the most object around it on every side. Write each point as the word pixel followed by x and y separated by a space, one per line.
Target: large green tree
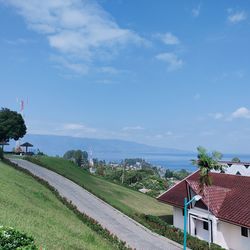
pixel 236 160
pixel 207 162
pixel 12 125
pixel 78 156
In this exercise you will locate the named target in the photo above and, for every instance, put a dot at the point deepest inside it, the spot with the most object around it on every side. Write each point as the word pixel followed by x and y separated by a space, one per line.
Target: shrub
pixel 12 239
pixel 175 234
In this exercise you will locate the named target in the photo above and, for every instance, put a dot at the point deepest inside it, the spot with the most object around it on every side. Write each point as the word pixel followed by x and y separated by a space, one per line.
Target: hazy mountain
pixel 108 149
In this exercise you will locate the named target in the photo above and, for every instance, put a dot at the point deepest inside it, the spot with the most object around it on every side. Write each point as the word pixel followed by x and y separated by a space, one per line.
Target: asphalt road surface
pixel 126 229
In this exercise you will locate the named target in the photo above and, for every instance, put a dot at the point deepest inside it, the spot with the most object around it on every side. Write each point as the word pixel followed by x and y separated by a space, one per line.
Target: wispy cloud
pixel 216 115
pixel 77 127
pixel 168 38
pixel 164 136
pixel 207 133
pixel 236 16
pixel 109 70
pixel 196 11
pixel 19 41
pixel 197 96
pixel 105 81
pixel 78 68
pixel 75 28
pixel 133 128
pixel 233 74
pixel 172 60
pixel 168 133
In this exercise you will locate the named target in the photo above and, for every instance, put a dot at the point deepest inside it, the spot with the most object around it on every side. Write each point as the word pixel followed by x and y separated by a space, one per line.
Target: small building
pixel 236 168
pixel 222 216
pixel 92 170
pixel 144 190
pixel 26 145
pixel 4 143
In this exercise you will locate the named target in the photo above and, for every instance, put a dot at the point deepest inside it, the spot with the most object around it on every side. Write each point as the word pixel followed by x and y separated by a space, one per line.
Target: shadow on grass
pixel 167 218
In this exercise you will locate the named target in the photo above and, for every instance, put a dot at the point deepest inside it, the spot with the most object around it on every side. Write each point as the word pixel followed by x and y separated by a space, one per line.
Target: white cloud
pixel 236 17
pixel 75 28
pixel 242 112
pixel 196 11
pixel 171 59
pixel 132 128
pixel 168 38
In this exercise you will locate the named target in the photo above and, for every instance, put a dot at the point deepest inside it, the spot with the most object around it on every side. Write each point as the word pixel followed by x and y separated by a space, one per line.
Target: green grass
pixel 29 207
pixel 126 200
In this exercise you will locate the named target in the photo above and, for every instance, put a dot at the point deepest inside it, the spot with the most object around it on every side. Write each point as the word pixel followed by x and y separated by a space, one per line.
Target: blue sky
pixel 165 73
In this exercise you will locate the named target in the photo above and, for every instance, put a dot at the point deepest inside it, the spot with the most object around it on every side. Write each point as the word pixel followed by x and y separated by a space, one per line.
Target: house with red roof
pixel 238 168
pixel 222 216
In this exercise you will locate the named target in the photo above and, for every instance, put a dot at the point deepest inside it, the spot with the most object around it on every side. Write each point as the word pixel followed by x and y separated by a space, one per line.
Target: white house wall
pixel 201 233
pixel 234 169
pixel 178 218
pixel 229 236
pixel 225 234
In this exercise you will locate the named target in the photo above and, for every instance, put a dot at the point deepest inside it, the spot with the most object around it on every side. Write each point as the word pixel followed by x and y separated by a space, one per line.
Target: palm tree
pixel 207 162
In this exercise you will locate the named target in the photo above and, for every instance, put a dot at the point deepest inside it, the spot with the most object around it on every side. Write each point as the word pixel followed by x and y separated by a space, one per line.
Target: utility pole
pixel 123 174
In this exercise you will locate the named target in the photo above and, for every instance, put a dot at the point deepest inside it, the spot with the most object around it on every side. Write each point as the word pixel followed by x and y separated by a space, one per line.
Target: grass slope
pixel 128 201
pixel 29 207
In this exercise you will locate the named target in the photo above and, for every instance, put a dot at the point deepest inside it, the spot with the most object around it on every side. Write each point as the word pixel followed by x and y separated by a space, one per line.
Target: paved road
pixel 116 222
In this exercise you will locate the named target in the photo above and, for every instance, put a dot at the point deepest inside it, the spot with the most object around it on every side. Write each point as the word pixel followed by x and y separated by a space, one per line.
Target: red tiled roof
pixel 228 198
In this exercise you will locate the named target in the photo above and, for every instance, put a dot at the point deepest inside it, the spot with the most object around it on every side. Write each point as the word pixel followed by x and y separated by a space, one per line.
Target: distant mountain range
pixel 108 149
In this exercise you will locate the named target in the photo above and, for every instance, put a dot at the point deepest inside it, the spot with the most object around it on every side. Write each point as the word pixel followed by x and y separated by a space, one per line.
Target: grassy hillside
pixel 125 199
pixel 29 207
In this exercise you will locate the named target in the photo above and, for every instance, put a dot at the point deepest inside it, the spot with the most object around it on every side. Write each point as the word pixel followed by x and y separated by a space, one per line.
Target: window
pixel 205 225
pixel 238 173
pixel 183 212
pixel 244 231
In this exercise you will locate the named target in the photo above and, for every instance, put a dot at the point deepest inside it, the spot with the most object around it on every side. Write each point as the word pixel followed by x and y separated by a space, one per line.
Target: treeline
pixel 178 175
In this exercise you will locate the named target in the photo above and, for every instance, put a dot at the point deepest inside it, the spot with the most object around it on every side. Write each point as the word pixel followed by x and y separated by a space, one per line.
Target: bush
pixel 175 234
pixel 12 239
pixel 1 153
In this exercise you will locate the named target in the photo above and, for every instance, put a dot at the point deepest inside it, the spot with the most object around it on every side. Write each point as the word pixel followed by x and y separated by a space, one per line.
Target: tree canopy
pixel 12 125
pixel 236 159
pixel 78 156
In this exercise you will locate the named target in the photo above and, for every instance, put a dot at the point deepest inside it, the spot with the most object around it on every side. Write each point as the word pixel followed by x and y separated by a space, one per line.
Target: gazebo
pixel 26 145
pixel 4 143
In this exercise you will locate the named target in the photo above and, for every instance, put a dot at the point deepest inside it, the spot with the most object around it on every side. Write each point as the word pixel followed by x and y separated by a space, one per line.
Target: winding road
pixel 126 229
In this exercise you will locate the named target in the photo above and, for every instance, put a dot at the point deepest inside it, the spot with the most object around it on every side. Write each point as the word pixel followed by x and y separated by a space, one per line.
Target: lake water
pixel 173 162
pixel 177 162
